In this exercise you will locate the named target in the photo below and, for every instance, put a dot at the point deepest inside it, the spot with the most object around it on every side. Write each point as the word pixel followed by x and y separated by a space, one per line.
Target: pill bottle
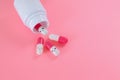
pixel 31 13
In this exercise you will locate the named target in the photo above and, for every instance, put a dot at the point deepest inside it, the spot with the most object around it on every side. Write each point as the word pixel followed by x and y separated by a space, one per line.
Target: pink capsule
pixel 41 29
pixel 59 39
pixel 40 46
pixel 52 48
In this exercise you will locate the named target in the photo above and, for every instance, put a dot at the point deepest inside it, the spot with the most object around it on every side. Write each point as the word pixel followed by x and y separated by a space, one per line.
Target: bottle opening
pixel 40 28
pixel 37 26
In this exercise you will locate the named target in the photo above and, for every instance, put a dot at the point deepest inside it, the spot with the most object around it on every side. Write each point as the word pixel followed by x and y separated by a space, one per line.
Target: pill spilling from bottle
pixel 34 16
pixel 41 29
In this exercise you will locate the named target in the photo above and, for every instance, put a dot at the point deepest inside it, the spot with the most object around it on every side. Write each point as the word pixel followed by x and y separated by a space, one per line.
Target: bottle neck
pixel 36 18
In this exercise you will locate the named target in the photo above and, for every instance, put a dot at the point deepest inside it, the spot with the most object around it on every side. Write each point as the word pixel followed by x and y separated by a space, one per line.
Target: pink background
pixel 93 51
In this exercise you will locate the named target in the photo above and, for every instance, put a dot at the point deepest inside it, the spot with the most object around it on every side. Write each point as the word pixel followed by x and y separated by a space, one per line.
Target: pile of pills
pixel 41 43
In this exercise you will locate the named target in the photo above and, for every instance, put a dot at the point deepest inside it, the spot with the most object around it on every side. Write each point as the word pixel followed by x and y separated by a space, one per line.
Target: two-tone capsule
pixel 40 46
pixel 57 38
pixel 41 29
pixel 53 49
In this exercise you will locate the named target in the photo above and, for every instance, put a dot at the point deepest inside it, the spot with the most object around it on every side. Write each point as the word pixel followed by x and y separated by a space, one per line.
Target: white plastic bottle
pixel 32 13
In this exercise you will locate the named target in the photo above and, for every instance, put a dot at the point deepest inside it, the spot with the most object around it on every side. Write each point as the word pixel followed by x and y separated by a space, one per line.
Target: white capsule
pixel 54 37
pixel 39 49
pixel 55 51
pixel 43 30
